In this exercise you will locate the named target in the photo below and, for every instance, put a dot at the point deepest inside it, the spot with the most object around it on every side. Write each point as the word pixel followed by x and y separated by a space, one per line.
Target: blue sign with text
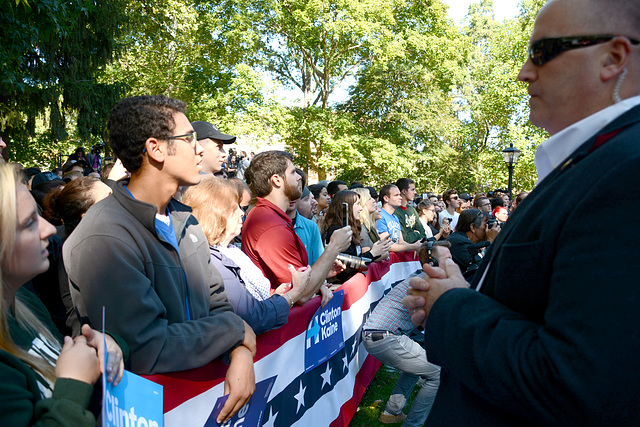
pixel 250 415
pixel 324 336
pixel 135 401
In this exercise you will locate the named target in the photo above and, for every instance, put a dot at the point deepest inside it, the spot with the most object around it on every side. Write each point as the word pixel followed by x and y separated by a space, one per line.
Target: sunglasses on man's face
pixel 542 51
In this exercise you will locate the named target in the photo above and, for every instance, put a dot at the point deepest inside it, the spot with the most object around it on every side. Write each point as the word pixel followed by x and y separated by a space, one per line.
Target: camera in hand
pixel 356 262
pixel 492 222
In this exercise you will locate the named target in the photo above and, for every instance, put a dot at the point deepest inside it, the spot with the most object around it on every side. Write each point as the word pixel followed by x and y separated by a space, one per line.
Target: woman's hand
pixel 78 361
pixel 115 362
pixel 381 248
pixel 299 282
pixel 444 232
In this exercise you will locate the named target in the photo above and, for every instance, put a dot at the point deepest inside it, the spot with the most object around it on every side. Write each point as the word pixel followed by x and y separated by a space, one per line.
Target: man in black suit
pixel 549 333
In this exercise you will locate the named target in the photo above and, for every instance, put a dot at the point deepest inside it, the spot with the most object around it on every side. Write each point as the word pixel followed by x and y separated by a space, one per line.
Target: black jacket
pixel 464 252
pixel 552 338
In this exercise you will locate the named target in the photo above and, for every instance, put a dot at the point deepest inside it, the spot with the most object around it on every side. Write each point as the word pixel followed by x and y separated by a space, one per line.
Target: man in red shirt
pixel 268 237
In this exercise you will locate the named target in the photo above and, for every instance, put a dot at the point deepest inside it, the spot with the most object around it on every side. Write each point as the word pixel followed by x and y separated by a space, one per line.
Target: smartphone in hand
pixel 345 214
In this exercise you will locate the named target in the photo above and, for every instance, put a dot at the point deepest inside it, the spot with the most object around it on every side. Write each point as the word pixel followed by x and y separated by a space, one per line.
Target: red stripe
pixel 184 385
pixel 181 386
pixel 363 378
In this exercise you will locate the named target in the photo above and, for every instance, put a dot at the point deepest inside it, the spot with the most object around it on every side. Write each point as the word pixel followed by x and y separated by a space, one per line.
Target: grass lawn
pixel 375 398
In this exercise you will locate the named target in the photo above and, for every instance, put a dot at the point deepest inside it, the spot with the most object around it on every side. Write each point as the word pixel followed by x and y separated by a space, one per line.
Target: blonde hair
pixel 9 184
pixel 212 202
pixel 366 217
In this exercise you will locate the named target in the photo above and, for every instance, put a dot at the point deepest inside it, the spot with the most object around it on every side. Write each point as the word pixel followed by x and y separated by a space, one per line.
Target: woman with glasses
pixel 428 217
pixel 249 292
pixel 45 380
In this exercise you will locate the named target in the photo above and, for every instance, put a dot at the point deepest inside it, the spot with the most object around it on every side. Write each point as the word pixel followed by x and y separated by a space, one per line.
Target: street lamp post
pixel 510 155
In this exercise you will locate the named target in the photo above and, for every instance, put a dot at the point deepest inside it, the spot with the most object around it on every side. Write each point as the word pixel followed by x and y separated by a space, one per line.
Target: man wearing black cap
pixel 465 201
pixel 212 142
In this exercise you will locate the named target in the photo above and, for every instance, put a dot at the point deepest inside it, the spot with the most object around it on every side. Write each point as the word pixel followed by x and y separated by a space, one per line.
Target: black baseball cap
pixel 71 163
pixel 466 196
pixel 207 130
pixel 44 177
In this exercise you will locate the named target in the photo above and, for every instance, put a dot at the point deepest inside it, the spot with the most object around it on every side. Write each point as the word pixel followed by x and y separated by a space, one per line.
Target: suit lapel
pixel 592 144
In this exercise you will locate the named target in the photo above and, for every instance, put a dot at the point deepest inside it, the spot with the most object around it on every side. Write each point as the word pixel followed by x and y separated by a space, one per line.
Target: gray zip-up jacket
pixel 116 259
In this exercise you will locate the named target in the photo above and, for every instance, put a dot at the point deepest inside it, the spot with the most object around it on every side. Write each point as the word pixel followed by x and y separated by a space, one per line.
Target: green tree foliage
pixel 454 99
pixel 493 103
pixel 187 50
pixel 339 149
pixel 52 54
pixel 405 96
pixel 429 100
pixel 315 45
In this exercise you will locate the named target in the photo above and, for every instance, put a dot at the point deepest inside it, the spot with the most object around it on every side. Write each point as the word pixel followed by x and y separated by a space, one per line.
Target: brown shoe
pixel 386 418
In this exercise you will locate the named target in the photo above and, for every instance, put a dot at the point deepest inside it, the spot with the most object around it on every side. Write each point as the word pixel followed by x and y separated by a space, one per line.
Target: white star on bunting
pixel 300 396
pixel 326 377
pixel 272 418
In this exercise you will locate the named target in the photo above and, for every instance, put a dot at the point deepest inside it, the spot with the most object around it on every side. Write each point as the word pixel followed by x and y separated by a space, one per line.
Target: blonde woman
pixel 216 206
pixel 370 214
pixel 45 380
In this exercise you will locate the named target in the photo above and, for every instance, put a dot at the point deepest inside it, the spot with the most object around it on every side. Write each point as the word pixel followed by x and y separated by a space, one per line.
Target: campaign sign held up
pixel 250 415
pixel 134 402
pixel 324 334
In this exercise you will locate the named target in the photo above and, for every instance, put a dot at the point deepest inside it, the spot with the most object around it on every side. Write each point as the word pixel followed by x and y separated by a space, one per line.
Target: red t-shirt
pixel 268 238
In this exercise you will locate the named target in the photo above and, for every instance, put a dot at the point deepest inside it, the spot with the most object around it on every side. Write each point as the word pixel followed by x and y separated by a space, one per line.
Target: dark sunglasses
pixel 544 50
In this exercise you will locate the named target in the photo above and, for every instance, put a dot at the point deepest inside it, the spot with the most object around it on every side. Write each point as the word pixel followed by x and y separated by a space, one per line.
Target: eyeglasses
pixel 187 137
pixel 454 197
pixel 190 137
pixel 544 50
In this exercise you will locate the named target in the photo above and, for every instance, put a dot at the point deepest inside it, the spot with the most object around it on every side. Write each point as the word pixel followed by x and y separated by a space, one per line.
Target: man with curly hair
pixel 143 256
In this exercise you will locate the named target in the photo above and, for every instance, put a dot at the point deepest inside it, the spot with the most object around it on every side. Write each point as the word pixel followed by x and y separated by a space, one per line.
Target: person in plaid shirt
pixel 386 337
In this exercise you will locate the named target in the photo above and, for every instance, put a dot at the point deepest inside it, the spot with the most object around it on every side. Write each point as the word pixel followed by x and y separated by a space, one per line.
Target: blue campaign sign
pixel 135 401
pixel 324 336
pixel 250 415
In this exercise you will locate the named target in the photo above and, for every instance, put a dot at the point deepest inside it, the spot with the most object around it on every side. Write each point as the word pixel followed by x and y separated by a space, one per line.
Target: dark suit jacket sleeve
pixel 562 345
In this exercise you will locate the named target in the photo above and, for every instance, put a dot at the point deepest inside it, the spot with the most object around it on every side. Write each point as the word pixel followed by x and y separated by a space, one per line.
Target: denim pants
pixel 401 352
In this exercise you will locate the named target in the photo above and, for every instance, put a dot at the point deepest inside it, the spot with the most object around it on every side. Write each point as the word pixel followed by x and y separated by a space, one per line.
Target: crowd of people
pixel 192 253
pixel 206 260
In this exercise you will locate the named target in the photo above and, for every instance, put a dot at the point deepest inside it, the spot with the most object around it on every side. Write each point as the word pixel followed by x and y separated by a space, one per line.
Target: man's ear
pixel 155 149
pixel 616 59
pixel 277 181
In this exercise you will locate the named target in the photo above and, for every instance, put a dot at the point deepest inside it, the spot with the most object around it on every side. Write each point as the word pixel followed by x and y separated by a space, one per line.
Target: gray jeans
pixel 401 352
